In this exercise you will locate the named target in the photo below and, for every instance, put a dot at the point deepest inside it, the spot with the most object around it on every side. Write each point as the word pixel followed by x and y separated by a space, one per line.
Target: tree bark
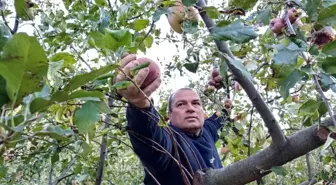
pixel 259 165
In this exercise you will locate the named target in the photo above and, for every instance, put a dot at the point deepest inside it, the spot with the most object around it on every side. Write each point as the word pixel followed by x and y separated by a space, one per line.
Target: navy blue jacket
pixel 143 129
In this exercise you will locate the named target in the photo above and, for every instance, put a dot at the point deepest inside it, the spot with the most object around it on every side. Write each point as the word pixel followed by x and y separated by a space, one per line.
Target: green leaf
pixel 192 67
pixel 67 58
pixel 322 109
pixel 22 10
pixel 148 41
pixel 157 14
pixel 244 4
pixel 327 3
pixel 3 94
pixel 100 2
pixel 55 133
pixel 86 116
pixel 5 35
pixel 329 65
pixel 212 12
pixel 239 65
pixel 110 42
pixel 289 82
pixel 327 82
pixel 223 68
pixel 328 16
pixel 237 32
pixel 264 16
pixel 285 56
pixel 66 3
pixel 330 48
pixel 82 79
pixel 3 170
pixel 189 2
pixel 24 65
pixel 279 170
pixel 135 70
pixel 312 8
pixel 329 141
pixel 98 39
pixel 55 158
pixel 140 24
pixel 40 104
pixel 122 84
pixel 123 36
pixel 309 107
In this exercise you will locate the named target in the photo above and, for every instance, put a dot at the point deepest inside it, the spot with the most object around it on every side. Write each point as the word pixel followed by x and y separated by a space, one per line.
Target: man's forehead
pixel 186 95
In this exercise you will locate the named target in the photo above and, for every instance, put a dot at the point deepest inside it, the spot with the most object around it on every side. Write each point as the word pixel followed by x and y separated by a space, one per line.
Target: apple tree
pixel 270 65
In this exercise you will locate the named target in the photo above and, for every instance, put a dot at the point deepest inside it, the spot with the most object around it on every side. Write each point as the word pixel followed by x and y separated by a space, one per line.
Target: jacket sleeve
pixel 146 135
pixel 213 123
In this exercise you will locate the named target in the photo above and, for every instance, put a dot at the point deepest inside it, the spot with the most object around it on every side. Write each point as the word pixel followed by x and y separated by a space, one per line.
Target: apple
pixel 218 79
pixel 237 87
pixel 227 103
pixel 224 150
pixel 276 25
pixel 154 71
pixel 293 15
pixel 214 73
pixel 178 13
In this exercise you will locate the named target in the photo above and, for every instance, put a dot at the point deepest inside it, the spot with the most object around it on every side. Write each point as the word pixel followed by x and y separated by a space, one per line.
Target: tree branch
pixel 100 169
pixel 16 23
pixel 271 123
pixel 324 98
pixel 259 165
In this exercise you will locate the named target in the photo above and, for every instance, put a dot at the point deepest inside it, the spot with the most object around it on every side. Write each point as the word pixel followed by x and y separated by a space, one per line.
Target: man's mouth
pixel 191 117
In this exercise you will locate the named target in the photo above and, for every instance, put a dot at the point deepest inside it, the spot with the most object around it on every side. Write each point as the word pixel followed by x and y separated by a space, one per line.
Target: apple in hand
pixel 154 71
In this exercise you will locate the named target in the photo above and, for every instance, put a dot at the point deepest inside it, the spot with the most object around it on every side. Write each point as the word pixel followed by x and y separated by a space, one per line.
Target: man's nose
pixel 190 108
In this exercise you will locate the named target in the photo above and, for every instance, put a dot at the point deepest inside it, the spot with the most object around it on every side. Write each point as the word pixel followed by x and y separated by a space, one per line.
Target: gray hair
pixel 171 97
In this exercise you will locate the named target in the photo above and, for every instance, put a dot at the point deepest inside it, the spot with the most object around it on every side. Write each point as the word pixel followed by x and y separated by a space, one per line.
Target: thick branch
pixel 100 169
pixel 259 165
pixel 271 123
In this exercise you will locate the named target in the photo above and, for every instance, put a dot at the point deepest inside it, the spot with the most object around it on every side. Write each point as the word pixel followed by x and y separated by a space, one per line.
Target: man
pixel 170 155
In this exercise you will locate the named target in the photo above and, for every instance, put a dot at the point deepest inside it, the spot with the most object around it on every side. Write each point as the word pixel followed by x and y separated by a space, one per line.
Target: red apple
pixel 276 25
pixel 154 71
pixel 214 73
pixel 293 14
pixel 218 79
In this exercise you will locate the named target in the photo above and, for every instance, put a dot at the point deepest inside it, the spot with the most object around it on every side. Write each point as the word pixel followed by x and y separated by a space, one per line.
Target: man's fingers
pixel 153 86
pixel 128 58
pixel 141 76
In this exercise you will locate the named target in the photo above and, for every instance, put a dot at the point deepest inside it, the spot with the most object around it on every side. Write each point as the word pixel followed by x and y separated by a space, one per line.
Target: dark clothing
pixel 143 124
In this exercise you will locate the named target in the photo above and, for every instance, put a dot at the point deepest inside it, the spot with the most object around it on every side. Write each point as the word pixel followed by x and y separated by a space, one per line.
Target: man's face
pixel 187 111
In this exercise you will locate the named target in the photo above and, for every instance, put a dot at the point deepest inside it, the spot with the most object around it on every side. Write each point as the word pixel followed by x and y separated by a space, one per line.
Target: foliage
pixel 54 100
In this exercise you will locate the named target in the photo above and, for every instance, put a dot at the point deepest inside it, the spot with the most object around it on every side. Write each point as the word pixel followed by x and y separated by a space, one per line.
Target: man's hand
pixel 133 94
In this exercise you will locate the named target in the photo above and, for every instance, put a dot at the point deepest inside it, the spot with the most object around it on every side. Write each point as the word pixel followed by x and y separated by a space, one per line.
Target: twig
pixel 51 173
pixel 157 182
pixel 324 98
pixel 16 23
pixel 63 176
pixel 162 149
pixel 150 30
pixel 100 169
pixel 249 133
pixel 80 57
pixel 310 173
pixel 110 5
pixel 135 17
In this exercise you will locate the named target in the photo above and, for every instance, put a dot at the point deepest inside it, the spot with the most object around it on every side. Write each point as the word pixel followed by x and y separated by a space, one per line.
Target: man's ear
pixel 169 115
